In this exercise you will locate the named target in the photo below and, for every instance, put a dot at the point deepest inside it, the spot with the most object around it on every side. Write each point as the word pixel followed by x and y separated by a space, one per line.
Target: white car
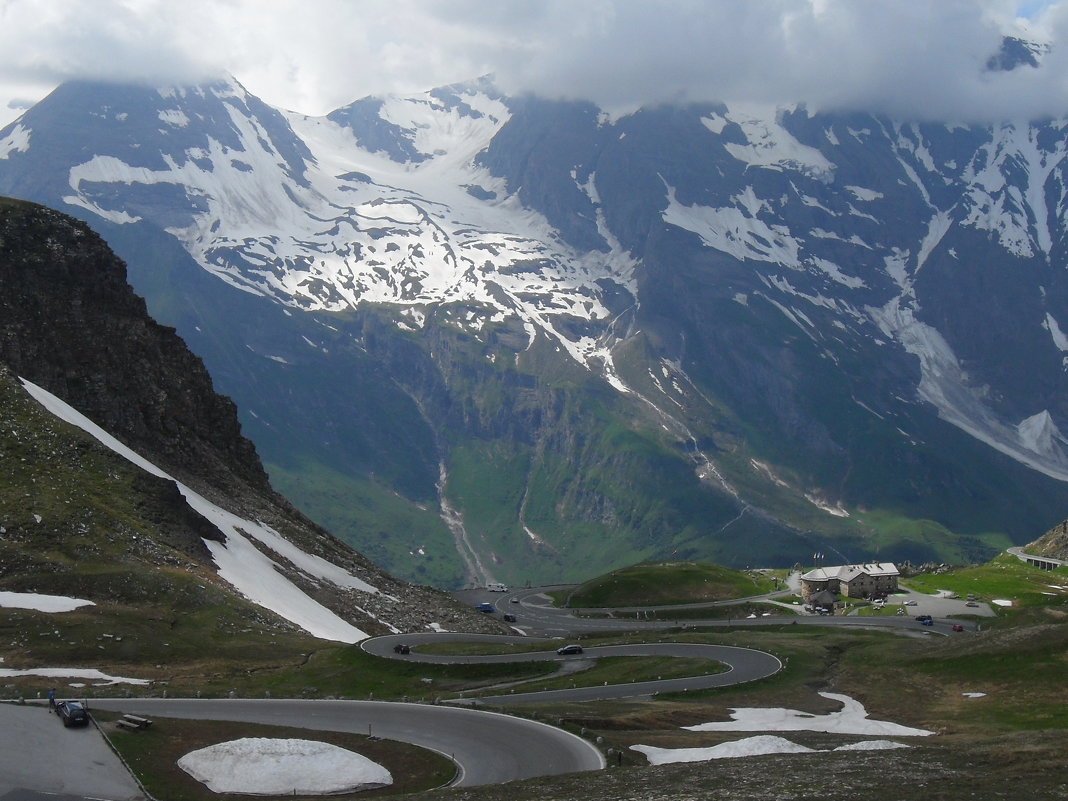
pixel 910 603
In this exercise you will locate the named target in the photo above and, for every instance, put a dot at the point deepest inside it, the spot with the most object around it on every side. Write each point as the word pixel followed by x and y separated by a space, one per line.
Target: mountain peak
pixel 712 286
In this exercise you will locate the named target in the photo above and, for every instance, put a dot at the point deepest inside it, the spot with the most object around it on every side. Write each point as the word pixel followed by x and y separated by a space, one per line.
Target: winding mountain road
pixel 743 665
pixel 536 615
pixel 488 748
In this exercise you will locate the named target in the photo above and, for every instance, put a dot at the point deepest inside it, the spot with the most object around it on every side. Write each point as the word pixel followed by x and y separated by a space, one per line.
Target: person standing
pixel 51 700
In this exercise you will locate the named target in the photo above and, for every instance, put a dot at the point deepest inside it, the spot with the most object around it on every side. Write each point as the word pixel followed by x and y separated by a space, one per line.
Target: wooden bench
pixel 134 722
pixel 125 724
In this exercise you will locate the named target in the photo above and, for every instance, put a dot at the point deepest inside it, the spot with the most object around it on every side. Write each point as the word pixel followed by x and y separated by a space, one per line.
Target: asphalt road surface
pixel 489 748
pixel 744 664
pixel 535 614
pixel 40 759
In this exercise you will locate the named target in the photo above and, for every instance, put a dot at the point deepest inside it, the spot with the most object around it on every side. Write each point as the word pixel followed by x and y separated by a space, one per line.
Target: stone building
pixel 855 581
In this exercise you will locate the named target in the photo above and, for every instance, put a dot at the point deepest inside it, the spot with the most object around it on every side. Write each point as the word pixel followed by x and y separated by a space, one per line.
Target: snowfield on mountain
pixel 536 342
pixel 249 570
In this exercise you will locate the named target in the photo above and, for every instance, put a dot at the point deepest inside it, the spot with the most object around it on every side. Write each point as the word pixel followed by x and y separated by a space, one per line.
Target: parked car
pixel 72 713
pixel 910 603
pixel 971 603
pixel 485 606
pixel 567 650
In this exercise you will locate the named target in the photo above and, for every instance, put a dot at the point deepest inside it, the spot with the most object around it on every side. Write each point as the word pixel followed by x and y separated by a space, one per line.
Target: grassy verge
pixel 623 670
pixel 353 673
pixel 1005 577
pixel 666 584
pixel 154 752
pixel 925 682
pixel 726 612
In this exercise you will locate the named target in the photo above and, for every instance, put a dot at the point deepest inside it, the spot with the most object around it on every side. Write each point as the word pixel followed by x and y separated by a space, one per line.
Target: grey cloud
pixel 911 58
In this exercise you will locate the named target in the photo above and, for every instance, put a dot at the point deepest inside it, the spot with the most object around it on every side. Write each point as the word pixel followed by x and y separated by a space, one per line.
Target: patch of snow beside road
pixel 267 766
pixel 72 673
pixel 750 746
pixel 851 719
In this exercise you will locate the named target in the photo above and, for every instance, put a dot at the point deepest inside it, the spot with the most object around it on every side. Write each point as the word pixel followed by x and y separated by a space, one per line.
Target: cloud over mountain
pixel 920 58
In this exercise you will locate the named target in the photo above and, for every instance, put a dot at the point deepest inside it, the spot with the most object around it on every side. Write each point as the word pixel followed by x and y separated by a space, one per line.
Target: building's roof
pixel 850 572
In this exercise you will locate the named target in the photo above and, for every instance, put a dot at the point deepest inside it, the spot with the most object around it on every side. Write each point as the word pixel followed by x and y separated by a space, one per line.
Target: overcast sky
pixel 906 57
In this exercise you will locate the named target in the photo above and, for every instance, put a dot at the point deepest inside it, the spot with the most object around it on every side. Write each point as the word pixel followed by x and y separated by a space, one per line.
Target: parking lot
pixel 938 606
pixel 47 758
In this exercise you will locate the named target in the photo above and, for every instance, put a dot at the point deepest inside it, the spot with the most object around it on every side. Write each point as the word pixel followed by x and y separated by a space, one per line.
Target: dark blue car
pixel 72 713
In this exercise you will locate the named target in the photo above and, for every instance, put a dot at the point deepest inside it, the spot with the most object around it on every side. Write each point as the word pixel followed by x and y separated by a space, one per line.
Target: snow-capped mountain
pixel 205 543
pixel 503 337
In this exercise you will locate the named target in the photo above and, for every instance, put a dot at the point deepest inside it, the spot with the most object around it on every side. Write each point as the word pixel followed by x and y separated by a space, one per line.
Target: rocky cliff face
pixel 1054 543
pixel 78 519
pixel 70 323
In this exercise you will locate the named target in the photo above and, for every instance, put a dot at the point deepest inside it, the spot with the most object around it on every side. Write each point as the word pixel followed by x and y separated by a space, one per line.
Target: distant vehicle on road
pixel 485 606
pixel 923 618
pixel 496 586
pixel 567 650
pixel 72 713
pixel 971 603
pixel 958 627
pixel 401 648
pixel 910 603
pixel 509 618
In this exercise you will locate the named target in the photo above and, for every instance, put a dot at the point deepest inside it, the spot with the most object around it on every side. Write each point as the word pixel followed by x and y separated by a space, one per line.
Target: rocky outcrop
pixel 70 323
pixel 73 510
pixel 1054 543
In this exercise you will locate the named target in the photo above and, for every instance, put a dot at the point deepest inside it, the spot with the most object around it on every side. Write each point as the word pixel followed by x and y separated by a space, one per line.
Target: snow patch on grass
pixel 41 603
pixel 102 679
pixel 265 766
pixel 851 719
pixel 750 746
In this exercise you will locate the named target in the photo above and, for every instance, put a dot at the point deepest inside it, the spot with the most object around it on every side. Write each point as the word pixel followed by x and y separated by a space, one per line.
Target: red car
pixel 958 627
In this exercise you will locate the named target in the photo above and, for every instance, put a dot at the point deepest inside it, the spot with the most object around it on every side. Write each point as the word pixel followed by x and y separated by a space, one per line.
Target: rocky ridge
pixel 76 518
pixel 1054 543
